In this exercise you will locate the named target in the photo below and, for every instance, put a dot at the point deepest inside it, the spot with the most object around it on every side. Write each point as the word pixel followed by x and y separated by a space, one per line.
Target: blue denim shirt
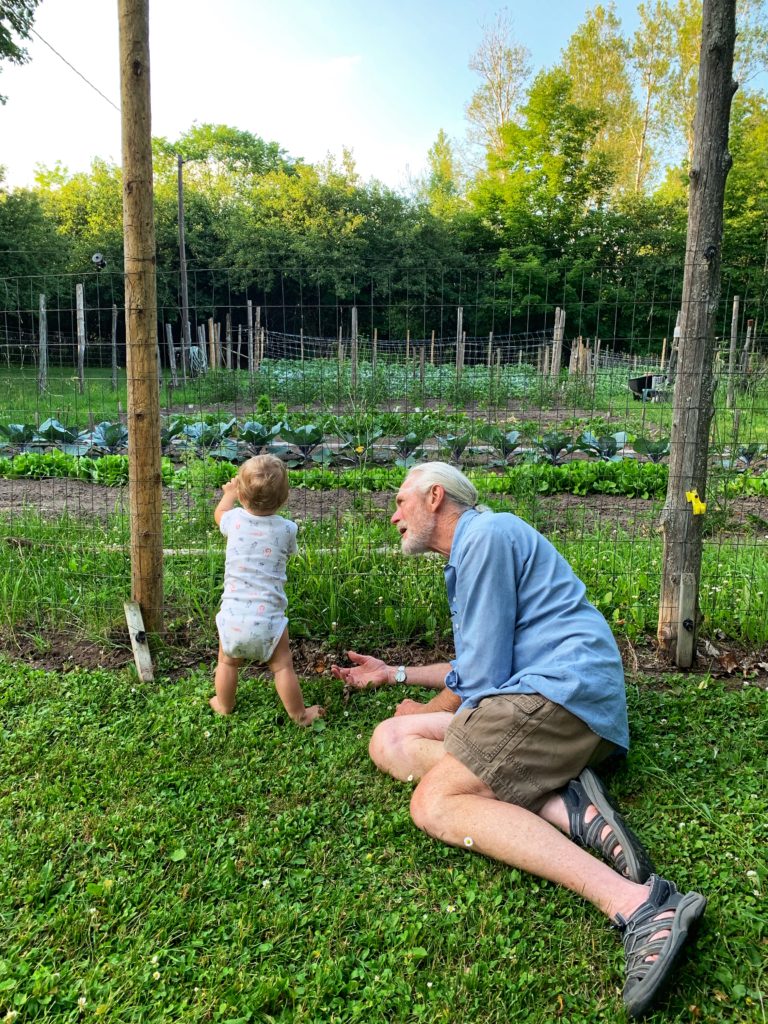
pixel 522 624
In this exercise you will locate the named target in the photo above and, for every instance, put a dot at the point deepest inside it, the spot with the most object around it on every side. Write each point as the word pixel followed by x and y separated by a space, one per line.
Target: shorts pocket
pixel 496 723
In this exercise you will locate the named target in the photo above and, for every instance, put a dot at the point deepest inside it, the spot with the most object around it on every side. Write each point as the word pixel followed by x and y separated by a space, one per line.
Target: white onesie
pixel 252 616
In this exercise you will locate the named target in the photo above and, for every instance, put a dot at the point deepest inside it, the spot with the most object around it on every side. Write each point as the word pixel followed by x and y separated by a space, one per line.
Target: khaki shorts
pixel 523 746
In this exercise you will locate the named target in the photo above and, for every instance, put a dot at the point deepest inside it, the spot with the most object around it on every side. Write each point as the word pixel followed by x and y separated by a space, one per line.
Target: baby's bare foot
pixel 218 707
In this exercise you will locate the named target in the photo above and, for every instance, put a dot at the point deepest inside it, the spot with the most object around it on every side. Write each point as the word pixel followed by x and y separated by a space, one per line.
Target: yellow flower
pixel 360 449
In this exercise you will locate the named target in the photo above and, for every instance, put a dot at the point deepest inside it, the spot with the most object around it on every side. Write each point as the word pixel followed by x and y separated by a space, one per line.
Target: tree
pixel 441 187
pixel 504 67
pixel 677 26
pixel 597 61
pixel 746 193
pixel 16 17
pixel 549 177
pixel 649 59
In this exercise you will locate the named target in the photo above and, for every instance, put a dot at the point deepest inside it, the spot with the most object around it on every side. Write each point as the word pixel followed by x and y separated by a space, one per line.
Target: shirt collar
pixel 464 520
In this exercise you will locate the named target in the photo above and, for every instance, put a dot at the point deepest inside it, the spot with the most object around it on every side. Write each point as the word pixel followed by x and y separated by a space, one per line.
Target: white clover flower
pixel 346 714
pixel 751 874
pixel 155 959
pixel 429 984
pixel 207 734
pixel 266 883
pixel 469 841
pixel 156 975
pixel 81 1002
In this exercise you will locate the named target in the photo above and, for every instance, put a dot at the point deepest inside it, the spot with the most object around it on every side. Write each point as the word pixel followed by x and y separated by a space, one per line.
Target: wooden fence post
pixel 229 340
pixel 353 350
pixel 250 337
pixel 144 466
pixel 114 347
pixel 171 355
pixel 681 519
pixel 42 364
pixel 459 340
pixel 732 351
pixel 80 300
pixel 374 349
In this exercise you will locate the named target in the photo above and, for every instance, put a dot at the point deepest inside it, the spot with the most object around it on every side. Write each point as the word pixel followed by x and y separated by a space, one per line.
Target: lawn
pixel 162 865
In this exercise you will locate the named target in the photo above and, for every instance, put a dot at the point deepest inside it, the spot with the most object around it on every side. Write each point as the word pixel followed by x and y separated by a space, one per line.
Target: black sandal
pixel 620 847
pixel 646 977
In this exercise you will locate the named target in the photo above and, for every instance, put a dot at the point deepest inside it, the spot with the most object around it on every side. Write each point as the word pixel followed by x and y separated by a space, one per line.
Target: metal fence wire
pixel 554 392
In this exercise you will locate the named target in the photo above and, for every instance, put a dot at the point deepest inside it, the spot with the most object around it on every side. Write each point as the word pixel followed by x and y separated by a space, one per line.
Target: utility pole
pixel 144 475
pixel 186 342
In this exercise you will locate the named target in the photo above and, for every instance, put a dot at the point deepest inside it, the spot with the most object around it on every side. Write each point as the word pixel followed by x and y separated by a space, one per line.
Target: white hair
pixel 457 487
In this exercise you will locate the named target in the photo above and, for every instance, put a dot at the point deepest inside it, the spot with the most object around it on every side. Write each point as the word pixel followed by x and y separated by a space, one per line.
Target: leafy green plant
pixel 605 446
pixel 552 447
pixel 306 438
pixel 656 450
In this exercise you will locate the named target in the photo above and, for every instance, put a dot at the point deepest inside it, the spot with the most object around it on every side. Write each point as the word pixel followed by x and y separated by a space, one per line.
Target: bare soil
pixel 181 648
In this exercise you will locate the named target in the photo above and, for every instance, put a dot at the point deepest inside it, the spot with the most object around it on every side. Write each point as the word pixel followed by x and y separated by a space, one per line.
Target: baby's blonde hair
pixel 262 484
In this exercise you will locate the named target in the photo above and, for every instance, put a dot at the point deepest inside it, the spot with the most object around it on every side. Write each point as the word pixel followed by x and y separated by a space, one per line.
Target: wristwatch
pixel 401 675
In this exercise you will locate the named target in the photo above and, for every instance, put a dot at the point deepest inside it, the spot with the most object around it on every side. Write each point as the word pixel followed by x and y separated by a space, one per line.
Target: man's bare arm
pixel 369 672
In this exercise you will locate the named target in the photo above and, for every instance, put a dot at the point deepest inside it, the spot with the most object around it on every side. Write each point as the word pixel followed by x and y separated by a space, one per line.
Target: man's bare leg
pixel 408 746
pixel 453 805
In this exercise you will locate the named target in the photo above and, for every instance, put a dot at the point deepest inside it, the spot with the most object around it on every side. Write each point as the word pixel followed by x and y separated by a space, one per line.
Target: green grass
pixel 162 865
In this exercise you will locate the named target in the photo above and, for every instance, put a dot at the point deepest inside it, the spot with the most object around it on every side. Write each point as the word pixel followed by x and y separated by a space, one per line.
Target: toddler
pixel 252 622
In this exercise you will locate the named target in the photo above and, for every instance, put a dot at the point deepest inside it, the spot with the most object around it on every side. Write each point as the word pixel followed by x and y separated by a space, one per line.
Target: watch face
pixel 400 675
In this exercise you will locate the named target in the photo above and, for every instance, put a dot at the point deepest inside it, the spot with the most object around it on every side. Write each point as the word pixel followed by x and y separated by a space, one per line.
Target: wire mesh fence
pixel 552 391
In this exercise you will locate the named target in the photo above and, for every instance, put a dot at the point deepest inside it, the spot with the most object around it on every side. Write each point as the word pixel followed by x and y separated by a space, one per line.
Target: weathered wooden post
pixel 732 353
pixel 681 518
pixel 212 360
pixel 145 494
pixel 171 355
pixel 459 340
pixel 353 351
pixel 748 342
pixel 250 337
pixel 80 300
pixel 114 347
pixel 374 349
pixel 42 364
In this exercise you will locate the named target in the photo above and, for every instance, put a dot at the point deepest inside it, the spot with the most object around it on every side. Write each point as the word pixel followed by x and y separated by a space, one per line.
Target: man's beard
pixel 417 538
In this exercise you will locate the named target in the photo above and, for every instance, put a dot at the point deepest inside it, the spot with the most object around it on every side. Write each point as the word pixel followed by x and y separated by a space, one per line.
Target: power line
pixel 72 66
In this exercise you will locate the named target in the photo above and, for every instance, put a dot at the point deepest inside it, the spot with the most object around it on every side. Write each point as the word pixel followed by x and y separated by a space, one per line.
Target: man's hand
pixel 411 707
pixel 365 673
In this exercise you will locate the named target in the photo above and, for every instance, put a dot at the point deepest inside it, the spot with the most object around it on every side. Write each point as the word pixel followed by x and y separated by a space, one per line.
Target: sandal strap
pixel 619 846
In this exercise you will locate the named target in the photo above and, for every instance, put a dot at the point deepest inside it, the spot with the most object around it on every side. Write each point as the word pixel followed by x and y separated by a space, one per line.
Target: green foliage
pixel 299 891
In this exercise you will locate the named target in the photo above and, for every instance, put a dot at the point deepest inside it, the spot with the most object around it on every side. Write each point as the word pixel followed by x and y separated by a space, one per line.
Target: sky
pixel 315 77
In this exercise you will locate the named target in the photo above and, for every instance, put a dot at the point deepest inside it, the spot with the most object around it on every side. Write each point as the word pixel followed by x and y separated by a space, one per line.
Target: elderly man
pixel 503 753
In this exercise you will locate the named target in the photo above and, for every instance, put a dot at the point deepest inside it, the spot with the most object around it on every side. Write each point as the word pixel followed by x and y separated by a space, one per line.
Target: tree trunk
pixel 145 495
pixel 694 385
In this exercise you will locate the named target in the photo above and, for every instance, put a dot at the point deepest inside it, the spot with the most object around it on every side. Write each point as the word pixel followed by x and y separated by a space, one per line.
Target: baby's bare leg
pixel 287 684
pixel 225 682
